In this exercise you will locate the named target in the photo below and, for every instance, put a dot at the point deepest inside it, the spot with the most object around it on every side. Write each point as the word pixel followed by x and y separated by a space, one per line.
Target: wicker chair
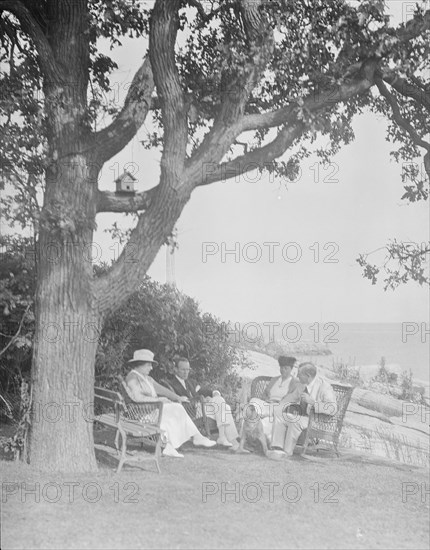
pixel 259 385
pixel 325 429
pixel 322 428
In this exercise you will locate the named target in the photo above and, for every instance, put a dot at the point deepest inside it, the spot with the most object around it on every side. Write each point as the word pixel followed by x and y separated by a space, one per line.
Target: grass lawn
pixel 217 499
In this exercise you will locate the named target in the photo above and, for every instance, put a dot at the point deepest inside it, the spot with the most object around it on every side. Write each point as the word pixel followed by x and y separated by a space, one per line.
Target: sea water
pixel 406 345
pixel 367 343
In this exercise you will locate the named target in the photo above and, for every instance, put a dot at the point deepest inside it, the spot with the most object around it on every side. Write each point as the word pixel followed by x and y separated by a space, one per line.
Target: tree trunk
pixel 70 305
pixel 67 319
pixel 67 325
pixel 61 434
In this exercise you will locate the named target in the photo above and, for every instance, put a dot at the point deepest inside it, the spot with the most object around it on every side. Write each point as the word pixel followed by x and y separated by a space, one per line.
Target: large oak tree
pixel 229 85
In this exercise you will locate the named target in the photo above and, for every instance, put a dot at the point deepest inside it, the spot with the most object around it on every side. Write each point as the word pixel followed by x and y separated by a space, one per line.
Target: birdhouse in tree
pixel 125 183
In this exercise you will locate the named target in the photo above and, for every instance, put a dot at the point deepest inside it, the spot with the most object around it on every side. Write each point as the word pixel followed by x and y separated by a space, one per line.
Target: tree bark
pixel 67 321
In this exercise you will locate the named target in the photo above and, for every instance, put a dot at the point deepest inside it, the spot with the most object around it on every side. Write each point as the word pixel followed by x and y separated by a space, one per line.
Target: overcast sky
pixel 348 208
pixel 353 207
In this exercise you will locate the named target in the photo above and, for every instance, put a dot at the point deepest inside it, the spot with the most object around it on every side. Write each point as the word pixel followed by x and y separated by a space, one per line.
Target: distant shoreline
pixel 358 344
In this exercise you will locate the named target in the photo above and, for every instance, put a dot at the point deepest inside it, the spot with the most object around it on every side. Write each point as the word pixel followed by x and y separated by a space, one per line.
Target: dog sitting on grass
pixel 252 430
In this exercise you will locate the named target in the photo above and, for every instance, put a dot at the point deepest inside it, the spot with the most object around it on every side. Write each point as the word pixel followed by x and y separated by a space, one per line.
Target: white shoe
pixel 224 442
pixel 203 441
pixel 173 453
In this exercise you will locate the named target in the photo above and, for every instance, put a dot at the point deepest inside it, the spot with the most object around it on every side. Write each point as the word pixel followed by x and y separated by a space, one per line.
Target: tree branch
pixel 11 31
pixel 365 80
pixel 205 17
pixel 414 27
pixel 112 202
pixel 171 194
pixel 257 159
pixel 418 82
pixel 48 65
pixel 405 88
pixel 226 126
pixel 314 102
pixel 15 336
pixel 114 138
pixel 152 229
pixel 401 121
pixel 210 171
pixel 162 38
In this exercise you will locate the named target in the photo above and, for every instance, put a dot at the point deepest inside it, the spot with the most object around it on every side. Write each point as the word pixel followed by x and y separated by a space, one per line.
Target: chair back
pixel 259 385
pixel 334 423
pixel 343 395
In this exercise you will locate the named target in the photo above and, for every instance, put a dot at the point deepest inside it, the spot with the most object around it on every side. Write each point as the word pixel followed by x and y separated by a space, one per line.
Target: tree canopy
pixel 272 73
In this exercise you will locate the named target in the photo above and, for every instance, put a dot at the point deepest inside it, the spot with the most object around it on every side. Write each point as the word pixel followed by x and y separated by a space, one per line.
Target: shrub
pixel 384 375
pixel 17 284
pixel 169 323
pixel 347 373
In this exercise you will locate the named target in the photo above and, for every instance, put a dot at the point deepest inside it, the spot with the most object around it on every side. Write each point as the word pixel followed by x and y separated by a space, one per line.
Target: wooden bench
pixel 140 421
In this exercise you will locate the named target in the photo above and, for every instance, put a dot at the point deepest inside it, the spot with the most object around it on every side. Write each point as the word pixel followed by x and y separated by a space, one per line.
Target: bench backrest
pixel 149 411
pixel 109 399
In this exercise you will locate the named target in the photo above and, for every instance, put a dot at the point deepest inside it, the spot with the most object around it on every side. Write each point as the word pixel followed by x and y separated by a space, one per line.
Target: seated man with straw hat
pixel 176 423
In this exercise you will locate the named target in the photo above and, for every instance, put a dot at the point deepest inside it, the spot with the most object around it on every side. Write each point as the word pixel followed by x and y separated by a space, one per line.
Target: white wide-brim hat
pixel 143 356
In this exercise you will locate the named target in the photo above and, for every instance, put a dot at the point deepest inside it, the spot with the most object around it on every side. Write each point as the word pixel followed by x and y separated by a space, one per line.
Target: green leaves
pixel 160 318
pixel 17 285
pixel 402 262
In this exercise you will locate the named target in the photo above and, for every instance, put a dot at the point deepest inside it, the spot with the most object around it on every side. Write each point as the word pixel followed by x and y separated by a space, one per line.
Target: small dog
pixel 252 430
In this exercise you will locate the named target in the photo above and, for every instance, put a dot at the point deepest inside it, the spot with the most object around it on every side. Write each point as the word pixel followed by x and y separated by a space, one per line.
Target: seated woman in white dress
pixel 175 422
pixel 275 395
